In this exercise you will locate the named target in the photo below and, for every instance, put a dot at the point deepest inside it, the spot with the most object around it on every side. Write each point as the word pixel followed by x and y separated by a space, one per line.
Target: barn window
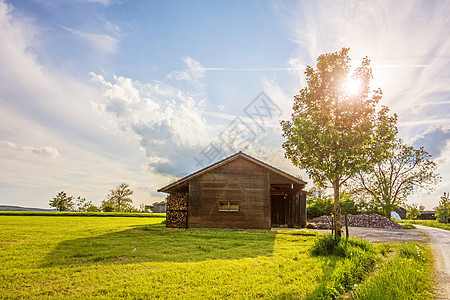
pixel 228 206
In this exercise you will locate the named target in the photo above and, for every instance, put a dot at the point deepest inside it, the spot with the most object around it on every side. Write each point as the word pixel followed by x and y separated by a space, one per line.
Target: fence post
pixel 332 225
pixel 346 225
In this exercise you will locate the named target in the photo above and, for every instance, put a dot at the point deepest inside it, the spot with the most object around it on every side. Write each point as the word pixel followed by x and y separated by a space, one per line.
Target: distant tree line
pixel 118 200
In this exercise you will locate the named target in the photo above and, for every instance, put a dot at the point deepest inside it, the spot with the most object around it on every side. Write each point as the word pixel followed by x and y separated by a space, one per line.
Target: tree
pixel 335 133
pixel 92 208
pixel 348 205
pixel 106 207
pixel 83 204
pixel 62 202
pixel 391 181
pixel 414 210
pixel 118 199
pixel 321 206
pixel 443 210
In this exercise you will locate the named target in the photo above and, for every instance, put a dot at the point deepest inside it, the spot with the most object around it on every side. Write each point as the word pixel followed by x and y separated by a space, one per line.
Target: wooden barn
pixel 239 191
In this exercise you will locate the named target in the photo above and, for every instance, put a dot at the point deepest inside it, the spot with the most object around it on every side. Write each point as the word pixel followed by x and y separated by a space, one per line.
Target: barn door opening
pixel 279 210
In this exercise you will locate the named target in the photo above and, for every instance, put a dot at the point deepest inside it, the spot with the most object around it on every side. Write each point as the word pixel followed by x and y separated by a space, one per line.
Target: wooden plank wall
pixel 297 216
pixel 239 180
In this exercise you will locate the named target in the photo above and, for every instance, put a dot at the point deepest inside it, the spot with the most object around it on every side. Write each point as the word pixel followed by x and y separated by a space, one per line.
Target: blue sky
pixel 98 92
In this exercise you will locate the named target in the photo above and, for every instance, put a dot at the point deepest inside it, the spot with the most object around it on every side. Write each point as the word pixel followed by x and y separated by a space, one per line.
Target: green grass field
pixel 137 258
pixel 430 223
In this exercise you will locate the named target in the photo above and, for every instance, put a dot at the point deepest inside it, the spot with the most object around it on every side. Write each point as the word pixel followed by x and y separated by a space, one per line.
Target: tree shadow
pixel 155 243
pixel 321 291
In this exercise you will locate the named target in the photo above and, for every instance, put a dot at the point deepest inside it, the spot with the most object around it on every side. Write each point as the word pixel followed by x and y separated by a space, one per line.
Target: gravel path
pixel 381 235
pixel 440 244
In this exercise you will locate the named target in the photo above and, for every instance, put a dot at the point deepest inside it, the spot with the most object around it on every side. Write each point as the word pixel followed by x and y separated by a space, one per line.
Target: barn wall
pixel 278 179
pixel 298 206
pixel 239 180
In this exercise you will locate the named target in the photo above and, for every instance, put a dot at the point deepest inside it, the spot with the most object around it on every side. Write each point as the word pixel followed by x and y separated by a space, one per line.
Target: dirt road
pixel 440 244
pixel 381 235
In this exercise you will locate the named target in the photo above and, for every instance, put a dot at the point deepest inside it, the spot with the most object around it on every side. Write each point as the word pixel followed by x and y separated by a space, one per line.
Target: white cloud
pixel 407 42
pixel 194 71
pixel 104 43
pixel 436 141
pixel 45 114
pixel 48 151
pixel 165 120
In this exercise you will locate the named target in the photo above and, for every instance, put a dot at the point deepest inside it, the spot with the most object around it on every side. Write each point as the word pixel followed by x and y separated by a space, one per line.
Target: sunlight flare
pixel 352 86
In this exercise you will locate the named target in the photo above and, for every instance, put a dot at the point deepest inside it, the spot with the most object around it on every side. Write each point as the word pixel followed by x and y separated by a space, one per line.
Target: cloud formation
pixel 405 43
pixel 166 121
pixel 194 71
pixel 437 142
pixel 104 43
pixel 48 151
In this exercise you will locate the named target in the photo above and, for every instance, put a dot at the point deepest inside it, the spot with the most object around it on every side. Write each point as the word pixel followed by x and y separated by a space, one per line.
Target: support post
pixel 346 225
pixel 332 224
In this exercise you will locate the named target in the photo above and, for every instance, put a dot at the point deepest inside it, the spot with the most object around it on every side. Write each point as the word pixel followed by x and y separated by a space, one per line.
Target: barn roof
pixel 224 161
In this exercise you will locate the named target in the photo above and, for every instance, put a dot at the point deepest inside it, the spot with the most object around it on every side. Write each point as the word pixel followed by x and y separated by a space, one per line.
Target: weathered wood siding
pixel 239 180
pixel 298 209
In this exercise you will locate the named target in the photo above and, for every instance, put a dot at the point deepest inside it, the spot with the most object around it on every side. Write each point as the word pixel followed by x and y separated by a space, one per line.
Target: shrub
pixel 328 245
pixel 320 207
pixel 324 245
pixel 358 258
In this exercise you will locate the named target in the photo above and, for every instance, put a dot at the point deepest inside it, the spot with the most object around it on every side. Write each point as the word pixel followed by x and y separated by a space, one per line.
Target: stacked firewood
pixel 176 219
pixel 177 201
pixel 176 216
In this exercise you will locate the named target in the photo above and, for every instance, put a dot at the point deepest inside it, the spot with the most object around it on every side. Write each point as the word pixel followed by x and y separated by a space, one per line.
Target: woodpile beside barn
pixel 237 192
pixel 176 215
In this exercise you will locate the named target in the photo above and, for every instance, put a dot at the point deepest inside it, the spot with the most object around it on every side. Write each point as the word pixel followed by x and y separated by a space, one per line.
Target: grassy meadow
pixel 138 258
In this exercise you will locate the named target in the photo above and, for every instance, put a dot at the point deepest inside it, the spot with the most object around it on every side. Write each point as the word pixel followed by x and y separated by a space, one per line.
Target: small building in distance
pixel 427 215
pixel 158 207
pixel 401 212
pixel 239 191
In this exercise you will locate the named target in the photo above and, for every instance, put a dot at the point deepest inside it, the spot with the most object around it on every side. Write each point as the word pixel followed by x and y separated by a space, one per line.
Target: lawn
pixel 429 223
pixel 136 258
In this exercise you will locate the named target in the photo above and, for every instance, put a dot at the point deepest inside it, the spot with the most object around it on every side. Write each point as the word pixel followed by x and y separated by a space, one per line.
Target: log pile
pixel 176 219
pixel 177 201
pixel 373 220
pixel 176 215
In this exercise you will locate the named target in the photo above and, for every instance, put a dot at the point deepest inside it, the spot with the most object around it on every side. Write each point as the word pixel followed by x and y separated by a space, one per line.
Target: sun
pixel 352 86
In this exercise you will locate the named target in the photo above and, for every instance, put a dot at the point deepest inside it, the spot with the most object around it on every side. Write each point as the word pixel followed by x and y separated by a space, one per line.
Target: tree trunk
pixel 337 210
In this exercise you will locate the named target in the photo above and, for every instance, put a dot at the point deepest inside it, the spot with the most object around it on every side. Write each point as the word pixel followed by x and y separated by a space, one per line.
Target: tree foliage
pixel 320 204
pixel 62 202
pixel 443 210
pixel 414 210
pixel 119 199
pixel 84 205
pixel 320 207
pixel 403 172
pixel 334 134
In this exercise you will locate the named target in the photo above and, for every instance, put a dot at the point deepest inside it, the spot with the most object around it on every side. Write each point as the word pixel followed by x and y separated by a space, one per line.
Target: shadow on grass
pixel 159 244
pixel 321 292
